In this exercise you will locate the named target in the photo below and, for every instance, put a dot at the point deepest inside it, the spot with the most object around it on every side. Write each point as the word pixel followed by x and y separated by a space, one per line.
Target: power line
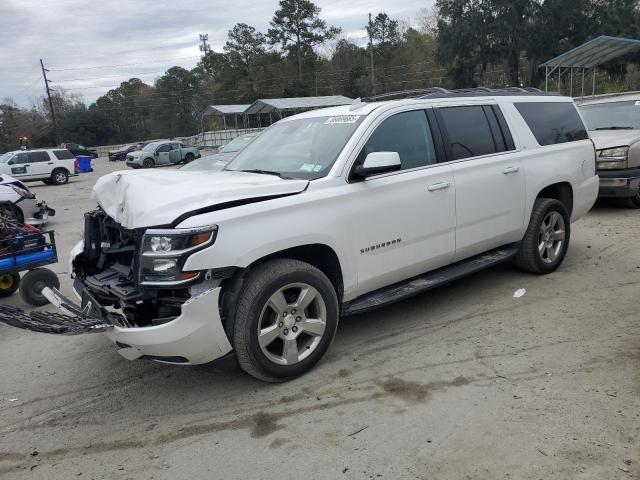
pixel 123 64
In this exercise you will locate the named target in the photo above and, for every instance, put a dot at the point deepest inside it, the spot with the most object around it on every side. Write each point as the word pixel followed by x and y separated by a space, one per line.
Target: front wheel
pixel 9 284
pixel 545 244
pixel 633 202
pixel 59 177
pixel 148 163
pixel 286 317
pixel 189 157
pixel 33 282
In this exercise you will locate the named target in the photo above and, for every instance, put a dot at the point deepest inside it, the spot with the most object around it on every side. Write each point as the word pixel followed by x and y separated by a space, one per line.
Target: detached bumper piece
pixel 49 322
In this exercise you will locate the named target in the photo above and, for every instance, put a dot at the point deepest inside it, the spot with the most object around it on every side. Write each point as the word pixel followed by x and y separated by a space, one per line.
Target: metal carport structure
pixel 224 110
pixel 587 57
pixel 293 105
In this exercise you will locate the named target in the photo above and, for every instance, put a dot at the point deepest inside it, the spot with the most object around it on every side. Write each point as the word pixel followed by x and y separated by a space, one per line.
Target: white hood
pixel 147 198
pixel 614 138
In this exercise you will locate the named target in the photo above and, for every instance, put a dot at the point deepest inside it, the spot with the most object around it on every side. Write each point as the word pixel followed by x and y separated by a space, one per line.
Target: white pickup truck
pixel 327 213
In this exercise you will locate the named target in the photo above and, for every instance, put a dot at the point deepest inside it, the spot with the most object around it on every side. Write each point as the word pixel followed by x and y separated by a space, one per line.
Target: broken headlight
pixel 164 253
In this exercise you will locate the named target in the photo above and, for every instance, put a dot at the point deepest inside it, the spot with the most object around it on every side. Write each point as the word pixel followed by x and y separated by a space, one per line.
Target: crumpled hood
pixel 614 138
pixel 147 198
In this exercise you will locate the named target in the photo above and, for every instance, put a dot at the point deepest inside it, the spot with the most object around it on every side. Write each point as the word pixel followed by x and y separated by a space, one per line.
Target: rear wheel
pixel 9 284
pixel 285 319
pixel 34 281
pixel 59 176
pixel 148 163
pixel 189 157
pixel 545 244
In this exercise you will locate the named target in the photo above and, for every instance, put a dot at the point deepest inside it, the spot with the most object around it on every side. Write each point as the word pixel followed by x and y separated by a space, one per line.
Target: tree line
pixel 458 43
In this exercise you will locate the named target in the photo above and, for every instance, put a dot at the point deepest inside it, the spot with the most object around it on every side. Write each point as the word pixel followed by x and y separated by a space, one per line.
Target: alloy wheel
pixel 551 237
pixel 292 323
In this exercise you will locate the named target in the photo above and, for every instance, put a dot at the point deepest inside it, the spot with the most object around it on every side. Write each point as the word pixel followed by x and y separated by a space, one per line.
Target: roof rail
pixel 439 92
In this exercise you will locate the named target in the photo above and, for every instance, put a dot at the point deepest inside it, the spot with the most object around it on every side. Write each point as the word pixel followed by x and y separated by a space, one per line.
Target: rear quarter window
pixel 552 123
pixel 63 154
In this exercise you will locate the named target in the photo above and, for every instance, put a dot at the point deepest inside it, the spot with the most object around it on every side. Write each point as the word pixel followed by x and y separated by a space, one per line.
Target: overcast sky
pixel 71 36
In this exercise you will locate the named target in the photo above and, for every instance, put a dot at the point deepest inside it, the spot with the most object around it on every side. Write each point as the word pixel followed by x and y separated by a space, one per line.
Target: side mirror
pixel 10 162
pixel 379 162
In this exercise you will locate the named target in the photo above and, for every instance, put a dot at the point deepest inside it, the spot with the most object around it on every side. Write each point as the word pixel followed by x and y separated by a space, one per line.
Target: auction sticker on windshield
pixel 341 119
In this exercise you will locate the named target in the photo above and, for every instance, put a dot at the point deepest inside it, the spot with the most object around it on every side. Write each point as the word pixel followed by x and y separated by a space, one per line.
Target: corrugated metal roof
pixel 226 109
pixel 267 105
pixel 595 52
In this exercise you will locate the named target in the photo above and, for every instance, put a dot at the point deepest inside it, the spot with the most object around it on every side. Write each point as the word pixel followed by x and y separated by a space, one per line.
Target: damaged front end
pixel 132 287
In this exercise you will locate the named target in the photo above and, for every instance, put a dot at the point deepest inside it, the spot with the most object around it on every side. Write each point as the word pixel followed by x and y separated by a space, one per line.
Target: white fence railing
pixel 213 139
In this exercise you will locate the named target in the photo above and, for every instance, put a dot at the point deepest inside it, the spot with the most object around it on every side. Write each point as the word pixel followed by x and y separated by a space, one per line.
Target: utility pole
pixel 53 113
pixel 370 31
pixel 204 45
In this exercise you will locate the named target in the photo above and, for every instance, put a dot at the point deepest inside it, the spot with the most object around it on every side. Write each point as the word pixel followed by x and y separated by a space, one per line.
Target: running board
pixel 428 281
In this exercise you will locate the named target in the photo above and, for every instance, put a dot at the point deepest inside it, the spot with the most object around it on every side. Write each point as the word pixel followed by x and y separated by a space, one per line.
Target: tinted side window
pixel 468 131
pixel 35 157
pixel 63 154
pixel 164 148
pixel 408 134
pixel 552 122
pixel 20 158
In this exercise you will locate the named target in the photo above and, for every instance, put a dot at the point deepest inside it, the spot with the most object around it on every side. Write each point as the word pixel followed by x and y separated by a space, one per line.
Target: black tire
pixel 9 284
pixel 59 176
pixel 33 282
pixel 529 257
pixel 633 202
pixel 148 163
pixel 189 157
pixel 257 288
pixel 47 181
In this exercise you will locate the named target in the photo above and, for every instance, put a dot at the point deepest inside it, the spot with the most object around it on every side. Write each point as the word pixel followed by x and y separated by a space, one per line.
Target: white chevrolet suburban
pixel 327 213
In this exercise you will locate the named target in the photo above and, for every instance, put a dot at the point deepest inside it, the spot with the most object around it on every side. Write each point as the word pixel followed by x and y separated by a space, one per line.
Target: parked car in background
pixel 219 160
pixel 53 166
pixel 19 205
pixel 78 150
pixel 329 212
pixel 614 124
pixel 120 154
pixel 160 153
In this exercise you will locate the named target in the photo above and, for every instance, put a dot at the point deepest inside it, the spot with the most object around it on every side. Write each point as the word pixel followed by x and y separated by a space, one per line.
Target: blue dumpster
pixel 84 164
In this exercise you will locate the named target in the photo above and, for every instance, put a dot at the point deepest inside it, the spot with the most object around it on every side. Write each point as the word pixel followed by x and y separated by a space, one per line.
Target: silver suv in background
pixel 614 124
pixel 163 152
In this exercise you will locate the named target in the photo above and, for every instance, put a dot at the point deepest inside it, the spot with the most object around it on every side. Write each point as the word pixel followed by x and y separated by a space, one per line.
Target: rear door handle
pixel 512 169
pixel 50 163
pixel 438 186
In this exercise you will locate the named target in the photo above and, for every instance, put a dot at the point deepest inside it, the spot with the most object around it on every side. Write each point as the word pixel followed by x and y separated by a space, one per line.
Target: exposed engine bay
pixel 109 269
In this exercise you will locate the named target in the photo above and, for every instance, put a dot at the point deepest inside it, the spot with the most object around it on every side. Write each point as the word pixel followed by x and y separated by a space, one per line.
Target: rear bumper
pixel 619 183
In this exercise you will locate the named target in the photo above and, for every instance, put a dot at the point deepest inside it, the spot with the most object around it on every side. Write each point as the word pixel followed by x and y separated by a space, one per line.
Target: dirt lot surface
pixel 466 382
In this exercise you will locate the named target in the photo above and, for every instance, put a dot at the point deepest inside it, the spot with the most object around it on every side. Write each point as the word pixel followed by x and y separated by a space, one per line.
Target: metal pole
pixel 224 121
pixel 571 86
pixel 235 116
pixel 546 79
pixel 559 78
pixel 53 113
pixel 593 88
pixel 582 90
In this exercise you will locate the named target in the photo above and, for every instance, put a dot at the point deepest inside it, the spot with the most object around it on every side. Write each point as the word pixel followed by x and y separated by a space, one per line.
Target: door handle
pixel 50 163
pixel 512 169
pixel 438 186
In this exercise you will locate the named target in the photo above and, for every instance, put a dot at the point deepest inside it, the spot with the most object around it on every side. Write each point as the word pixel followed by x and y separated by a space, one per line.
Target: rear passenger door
pixel 490 184
pixel 175 155
pixel 40 165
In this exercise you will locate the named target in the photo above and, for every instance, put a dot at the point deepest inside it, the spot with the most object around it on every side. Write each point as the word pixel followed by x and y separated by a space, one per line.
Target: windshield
pixel 151 147
pixel 612 116
pixel 211 163
pixel 5 157
pixel 236 144
pixel 304 148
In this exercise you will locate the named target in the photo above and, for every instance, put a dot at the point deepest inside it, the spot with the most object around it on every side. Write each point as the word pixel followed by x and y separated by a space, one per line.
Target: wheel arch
pixel 561 191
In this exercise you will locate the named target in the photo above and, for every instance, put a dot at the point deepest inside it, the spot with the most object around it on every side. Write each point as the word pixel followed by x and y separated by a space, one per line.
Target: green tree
pixel 384 31
pixel 244 45
pixel 297 27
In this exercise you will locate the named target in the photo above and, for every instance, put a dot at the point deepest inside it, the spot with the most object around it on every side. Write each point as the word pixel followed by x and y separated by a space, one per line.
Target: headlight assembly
pixel 164 252
pixel 613 158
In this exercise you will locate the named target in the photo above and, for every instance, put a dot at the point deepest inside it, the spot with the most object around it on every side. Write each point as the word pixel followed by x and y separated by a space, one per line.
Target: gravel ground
pixel 466 382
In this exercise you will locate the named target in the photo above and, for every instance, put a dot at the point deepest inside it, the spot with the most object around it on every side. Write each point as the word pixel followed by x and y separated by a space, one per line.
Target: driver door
pixel 403 222
pixel 20 167
pixel 163 154
pixel 175 155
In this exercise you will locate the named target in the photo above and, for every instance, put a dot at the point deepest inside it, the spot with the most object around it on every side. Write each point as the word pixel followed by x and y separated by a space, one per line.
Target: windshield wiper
pixel 615 127
pixel 264 172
